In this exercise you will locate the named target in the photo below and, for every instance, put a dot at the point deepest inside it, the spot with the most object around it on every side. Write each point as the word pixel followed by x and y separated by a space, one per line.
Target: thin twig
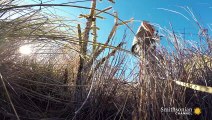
pixel 8 95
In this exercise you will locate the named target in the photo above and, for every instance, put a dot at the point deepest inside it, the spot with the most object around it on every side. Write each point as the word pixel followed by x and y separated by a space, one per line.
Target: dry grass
pixel 46 85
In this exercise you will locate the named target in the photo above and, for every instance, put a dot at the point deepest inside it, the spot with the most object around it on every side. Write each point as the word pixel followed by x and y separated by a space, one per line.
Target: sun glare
pixel 25 49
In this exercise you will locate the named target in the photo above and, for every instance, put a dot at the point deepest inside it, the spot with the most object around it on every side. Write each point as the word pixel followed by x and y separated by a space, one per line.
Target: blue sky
pixel 149 10
pixel 162 12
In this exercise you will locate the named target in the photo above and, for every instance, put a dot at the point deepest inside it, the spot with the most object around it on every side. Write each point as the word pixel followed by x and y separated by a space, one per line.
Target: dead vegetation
pixel 73 76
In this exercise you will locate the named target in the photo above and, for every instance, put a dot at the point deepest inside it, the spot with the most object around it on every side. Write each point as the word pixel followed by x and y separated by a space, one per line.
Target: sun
pixel 25 49
pixel 197 111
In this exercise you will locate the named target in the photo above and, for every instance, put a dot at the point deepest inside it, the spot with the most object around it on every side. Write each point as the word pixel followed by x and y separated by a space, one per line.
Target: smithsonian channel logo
pixel 182 111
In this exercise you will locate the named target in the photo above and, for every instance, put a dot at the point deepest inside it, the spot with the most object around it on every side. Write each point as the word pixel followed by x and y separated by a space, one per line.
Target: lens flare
pixel 25 49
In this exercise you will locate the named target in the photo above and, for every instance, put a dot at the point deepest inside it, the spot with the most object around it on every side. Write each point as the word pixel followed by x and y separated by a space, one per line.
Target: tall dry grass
pixel 67 81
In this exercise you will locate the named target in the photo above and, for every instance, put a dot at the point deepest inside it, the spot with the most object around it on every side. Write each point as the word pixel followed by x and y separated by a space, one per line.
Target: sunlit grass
pixel 44 84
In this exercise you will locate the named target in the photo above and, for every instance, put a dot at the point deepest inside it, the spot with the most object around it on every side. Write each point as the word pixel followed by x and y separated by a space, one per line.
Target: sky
pixel 159 12
pixel 154 11
pixel 166 12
